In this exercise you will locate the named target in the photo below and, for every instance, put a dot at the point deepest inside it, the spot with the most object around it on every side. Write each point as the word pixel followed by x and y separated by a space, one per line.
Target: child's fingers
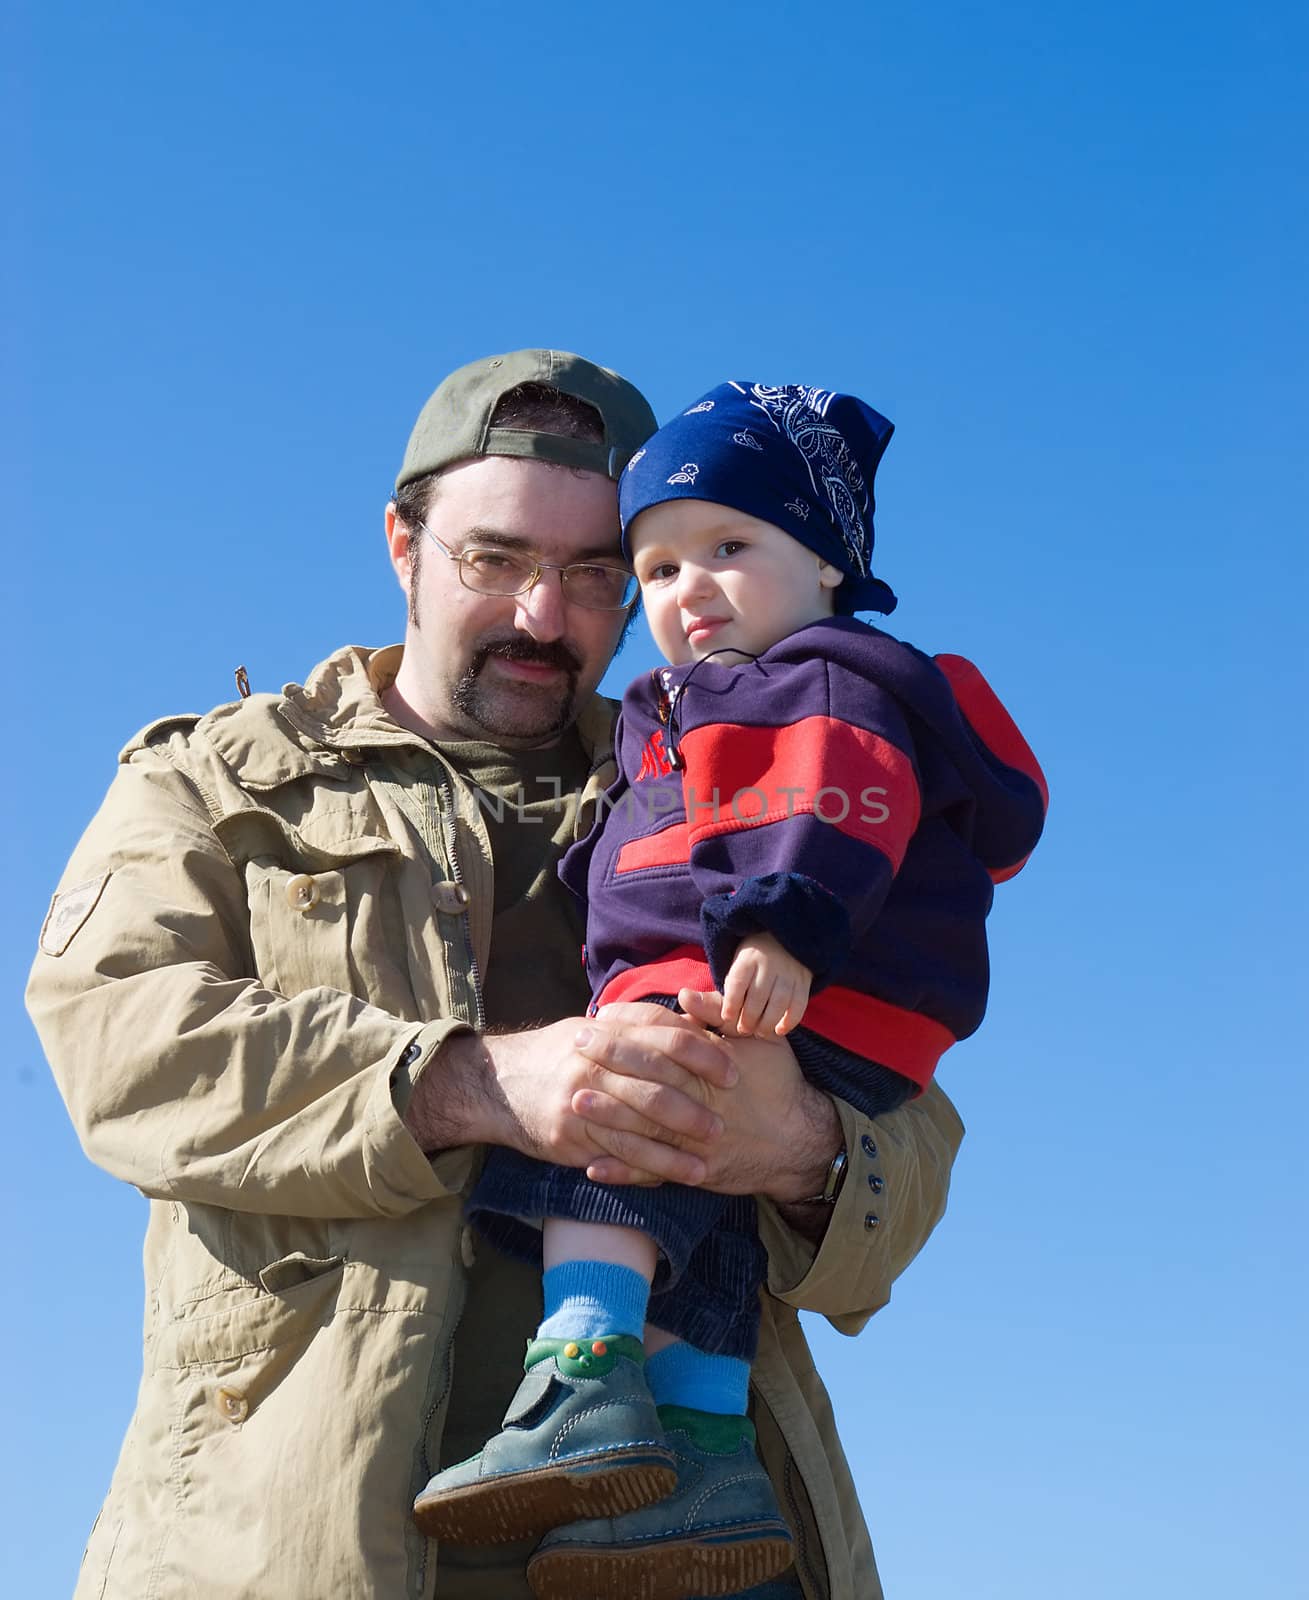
pixel 796 1005
pixel 736 991
pixel 788 1021
pixel 790 996
pixel 702 1006
pixel 755 1004
pixel 774 1013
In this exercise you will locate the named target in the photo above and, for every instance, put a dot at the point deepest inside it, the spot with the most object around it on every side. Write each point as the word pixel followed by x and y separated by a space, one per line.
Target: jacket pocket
pixel 299 928
pixel 293 1297
pixel 317 913
pixel 322 925
pixel 291 1425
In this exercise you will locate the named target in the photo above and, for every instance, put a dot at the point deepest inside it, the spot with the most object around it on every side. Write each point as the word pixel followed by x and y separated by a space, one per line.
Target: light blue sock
pixel 681 1375
pixel 589 1299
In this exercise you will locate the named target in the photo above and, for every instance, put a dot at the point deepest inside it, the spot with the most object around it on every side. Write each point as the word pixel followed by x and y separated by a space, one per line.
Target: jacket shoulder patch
pixel 68 911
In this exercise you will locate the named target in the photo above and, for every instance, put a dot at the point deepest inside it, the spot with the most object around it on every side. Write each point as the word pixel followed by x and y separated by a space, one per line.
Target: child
pixel 802 840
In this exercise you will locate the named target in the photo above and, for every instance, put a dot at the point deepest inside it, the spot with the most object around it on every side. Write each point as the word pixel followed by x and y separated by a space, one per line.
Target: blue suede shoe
pixel 719 1533
pixel 581 1438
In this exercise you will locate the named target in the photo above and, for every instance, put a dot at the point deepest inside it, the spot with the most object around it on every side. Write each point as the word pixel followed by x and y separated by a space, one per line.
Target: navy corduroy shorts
pixel 711 1263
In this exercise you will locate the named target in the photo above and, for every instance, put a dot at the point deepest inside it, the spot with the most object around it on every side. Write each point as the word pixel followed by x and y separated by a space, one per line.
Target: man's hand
pixel 520 1089
pixel 779 1133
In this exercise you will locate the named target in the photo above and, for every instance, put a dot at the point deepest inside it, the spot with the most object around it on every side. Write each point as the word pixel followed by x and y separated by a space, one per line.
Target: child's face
pixel 716 579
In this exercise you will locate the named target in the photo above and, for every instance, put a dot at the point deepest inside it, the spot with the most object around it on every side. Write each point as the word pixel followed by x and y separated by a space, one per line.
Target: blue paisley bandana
pixel 800 458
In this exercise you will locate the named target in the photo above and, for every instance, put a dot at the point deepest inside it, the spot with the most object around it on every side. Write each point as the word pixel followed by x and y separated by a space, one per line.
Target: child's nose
pixel 693 583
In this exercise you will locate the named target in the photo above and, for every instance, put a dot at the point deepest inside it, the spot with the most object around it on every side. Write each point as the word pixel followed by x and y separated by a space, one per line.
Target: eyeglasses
pixel 487 569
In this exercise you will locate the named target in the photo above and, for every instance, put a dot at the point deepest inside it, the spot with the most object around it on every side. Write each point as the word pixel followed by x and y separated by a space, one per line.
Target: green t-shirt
pixel 535 974
pixel 528 800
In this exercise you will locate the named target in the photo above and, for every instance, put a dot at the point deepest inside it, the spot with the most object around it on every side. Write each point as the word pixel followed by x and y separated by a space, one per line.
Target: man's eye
pixel 492 561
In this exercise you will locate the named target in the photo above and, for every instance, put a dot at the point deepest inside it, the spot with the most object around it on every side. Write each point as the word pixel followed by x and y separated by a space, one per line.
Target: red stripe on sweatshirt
pixel 990 721
pixel 906 1041
pixel 987 717
pixel 739 777
pixel 670 847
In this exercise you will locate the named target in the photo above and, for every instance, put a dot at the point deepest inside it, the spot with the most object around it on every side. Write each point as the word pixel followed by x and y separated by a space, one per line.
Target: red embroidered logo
pixel 654 758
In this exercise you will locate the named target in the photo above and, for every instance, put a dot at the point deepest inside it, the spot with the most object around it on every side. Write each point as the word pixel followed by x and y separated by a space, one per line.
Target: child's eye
pixel 730 547
pixel 661 572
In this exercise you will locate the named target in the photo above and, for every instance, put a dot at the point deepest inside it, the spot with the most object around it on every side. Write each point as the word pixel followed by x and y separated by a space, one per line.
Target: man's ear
pixel 830 577
pixel 397 546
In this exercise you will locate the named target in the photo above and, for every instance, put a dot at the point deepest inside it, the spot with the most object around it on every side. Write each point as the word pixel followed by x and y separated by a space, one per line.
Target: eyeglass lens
pixel 587 583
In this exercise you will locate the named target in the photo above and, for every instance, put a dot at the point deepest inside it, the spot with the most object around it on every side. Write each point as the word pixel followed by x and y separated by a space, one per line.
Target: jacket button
pixel 867 1145
pixel 232 1405
pixel 449 898
pixel 875 1183
pixel 302 892
pixel 871 1221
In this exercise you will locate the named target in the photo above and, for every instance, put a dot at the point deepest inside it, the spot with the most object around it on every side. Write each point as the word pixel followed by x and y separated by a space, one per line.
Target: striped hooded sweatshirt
pixel 844 792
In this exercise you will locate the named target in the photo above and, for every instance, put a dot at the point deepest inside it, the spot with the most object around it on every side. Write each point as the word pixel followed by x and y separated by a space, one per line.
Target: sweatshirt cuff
pixel 808 921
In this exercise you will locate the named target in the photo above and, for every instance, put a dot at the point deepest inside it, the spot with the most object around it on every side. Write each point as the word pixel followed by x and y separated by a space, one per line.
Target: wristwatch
pixel 832 1188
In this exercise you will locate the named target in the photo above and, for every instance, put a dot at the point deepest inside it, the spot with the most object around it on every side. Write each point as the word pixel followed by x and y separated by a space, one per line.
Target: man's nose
pixel 539 611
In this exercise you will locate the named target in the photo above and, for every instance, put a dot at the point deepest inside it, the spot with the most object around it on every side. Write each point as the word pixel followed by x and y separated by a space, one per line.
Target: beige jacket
pixel 254 953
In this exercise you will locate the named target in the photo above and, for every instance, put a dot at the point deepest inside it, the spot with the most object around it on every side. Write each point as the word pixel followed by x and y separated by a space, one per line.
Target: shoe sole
pixel 525 1505
pixel 681 1569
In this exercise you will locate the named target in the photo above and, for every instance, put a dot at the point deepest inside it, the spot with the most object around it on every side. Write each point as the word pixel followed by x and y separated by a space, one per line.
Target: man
pixel 311 957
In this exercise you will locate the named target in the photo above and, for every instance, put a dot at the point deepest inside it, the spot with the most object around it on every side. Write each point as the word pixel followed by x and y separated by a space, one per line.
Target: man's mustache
pixel 545 653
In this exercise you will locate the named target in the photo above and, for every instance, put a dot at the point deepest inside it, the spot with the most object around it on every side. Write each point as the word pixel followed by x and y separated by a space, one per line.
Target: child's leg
pixel 720 1531
pixel 582 1437
pixel 514 1193
pixel 597 1279
pixel 699 1380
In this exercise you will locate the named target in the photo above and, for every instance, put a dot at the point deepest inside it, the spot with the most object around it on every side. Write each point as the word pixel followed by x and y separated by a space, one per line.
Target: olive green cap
pixel 455 424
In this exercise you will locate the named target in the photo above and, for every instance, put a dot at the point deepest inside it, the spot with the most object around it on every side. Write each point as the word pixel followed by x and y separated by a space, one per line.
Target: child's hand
pixel 766 991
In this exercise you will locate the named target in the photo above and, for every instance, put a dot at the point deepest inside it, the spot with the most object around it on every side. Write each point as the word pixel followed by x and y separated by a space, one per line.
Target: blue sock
pixel 589 1299
pixel 681 1375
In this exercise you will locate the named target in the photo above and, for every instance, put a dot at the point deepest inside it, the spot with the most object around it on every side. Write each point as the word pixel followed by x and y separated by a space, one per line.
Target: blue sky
pixel 1063 248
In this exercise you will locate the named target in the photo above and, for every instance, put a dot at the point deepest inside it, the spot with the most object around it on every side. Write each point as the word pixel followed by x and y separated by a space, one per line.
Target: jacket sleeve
pixel 800 804
pixel 876 1227
pixel 186 1076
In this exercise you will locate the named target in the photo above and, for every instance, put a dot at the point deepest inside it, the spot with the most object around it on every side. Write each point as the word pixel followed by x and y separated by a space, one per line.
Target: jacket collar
pixel 328 725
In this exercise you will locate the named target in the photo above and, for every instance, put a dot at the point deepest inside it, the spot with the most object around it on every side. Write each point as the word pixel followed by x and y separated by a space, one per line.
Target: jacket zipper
pixel 447 805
